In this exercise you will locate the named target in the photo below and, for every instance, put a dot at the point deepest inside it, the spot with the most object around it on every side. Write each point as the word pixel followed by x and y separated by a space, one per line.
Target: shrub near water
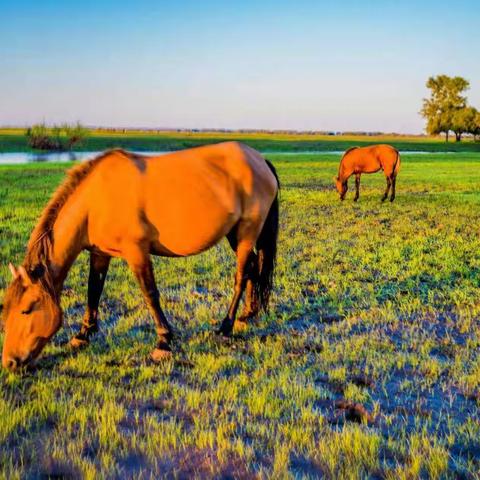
pixel 376 304
pixel 64 137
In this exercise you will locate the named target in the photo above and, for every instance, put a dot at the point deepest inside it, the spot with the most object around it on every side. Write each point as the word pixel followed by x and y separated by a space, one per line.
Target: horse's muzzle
pixel 11 364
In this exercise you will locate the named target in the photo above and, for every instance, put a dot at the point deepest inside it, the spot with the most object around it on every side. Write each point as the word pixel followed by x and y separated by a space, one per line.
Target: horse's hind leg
pixel 394 181
pixel 96 280
pixel 385 195
pixel 245 255
pixel 252 305
pixel 143 270
pixel 357 187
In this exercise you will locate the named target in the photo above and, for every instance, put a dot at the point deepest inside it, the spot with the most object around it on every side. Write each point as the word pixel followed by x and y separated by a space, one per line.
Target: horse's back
pixel 180 203
pixel 372 158
pixel 385 151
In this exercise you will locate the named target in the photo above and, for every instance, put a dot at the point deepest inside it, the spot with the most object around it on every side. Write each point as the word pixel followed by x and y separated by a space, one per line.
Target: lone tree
pixel 464 120
pixel 445 101
pixel 476 126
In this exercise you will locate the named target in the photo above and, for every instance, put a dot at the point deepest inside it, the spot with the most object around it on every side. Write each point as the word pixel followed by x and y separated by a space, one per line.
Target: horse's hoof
pixel 160 355
pixel 79 341
pixel 241 325
pixel 225 333
pixel 226 328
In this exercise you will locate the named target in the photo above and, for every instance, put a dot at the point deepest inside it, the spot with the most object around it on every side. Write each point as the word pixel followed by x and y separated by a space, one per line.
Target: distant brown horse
pixel 125 205
pixel 358 160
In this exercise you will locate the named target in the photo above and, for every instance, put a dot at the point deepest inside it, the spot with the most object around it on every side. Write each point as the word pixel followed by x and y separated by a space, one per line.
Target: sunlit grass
pixel 376 304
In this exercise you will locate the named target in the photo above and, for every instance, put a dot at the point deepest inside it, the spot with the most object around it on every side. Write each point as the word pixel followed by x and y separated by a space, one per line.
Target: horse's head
pixel 31 316
pixel 342 187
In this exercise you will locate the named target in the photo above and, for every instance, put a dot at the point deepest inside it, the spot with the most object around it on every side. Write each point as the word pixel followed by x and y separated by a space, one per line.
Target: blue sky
pixel 255 64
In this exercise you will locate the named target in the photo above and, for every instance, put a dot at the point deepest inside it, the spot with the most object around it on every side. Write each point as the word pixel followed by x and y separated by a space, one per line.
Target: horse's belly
pixel 190 207
pixel 367 167
pixel 187 231
pixel 179 241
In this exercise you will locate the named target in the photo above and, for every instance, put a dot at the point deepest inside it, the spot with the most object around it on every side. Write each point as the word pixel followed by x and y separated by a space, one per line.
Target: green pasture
pixel 14 140
pixel 367 366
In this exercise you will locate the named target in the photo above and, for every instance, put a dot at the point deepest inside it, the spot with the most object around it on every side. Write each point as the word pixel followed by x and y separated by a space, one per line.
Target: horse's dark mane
pixel 39 248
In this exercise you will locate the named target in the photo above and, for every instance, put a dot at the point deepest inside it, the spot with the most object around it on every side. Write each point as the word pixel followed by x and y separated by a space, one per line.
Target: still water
pixel 13 158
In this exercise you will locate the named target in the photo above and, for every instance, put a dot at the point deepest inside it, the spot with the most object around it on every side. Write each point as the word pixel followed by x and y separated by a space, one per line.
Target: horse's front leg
pixel 344 190
pixel 357 187
pixel 143 270
pixel 96 279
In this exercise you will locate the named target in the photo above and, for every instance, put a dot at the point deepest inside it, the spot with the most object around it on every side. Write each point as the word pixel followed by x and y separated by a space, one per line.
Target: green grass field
pixel 13 140
pixel 377 304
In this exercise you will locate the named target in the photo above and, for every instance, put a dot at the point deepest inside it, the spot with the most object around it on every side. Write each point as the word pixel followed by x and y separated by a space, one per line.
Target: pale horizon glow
pixel 305 65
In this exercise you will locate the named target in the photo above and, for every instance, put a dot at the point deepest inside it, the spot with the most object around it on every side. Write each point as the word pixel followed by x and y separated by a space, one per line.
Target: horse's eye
pixel 28 304
pixel 29 308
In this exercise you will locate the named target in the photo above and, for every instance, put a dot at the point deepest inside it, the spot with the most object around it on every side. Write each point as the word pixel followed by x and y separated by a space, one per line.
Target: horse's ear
pixel 13 270
pixel 26 280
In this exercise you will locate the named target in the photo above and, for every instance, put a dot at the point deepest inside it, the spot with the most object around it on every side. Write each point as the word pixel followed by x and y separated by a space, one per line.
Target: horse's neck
pixel 345 169
pixel 341 170
pixel 69 238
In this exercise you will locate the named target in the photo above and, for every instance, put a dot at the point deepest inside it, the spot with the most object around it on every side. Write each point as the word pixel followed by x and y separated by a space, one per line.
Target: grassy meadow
pixel 367 366
pixel 14 140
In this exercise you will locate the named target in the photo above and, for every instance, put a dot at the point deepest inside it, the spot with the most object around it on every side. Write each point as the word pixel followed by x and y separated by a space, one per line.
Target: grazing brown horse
pixel 125 205
pixel 358 160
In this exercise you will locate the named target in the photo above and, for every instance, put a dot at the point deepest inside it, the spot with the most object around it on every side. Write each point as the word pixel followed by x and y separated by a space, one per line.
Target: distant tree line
pixel 133 130
pixel 59 137
pixel 447 110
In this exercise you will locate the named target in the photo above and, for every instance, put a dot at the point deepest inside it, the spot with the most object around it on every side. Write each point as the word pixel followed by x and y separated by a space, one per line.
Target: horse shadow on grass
pixel 283 320
pixel 316 309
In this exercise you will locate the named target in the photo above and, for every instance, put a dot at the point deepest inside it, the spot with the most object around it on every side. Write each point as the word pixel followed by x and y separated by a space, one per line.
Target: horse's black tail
pixel 396 167
pixel 267 250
